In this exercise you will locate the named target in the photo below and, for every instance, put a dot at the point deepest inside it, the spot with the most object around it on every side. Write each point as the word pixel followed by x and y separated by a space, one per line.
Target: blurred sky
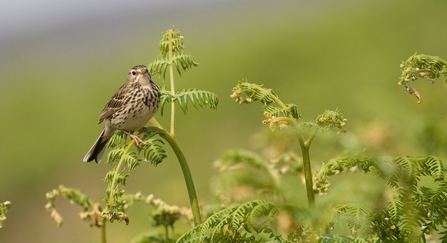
pixel 23 18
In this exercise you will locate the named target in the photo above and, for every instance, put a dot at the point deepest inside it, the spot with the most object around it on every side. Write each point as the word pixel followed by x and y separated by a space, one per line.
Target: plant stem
pixel 103 231
pixel 305 146
pixel 274 97
pixel 185 169
pixel 156 123
pixel 118 167
pixel 308 175
pixel 166 234
pixel 171 76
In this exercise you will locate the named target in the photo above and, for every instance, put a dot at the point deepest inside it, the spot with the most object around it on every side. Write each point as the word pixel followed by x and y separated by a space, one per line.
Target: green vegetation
pixel 406 210
pixel 329 55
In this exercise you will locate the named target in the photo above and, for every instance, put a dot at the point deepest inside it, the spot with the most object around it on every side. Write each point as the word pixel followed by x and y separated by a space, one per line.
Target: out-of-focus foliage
pixel 4 207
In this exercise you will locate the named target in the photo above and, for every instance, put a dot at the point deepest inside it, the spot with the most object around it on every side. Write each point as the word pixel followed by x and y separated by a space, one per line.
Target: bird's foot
pixel 136 137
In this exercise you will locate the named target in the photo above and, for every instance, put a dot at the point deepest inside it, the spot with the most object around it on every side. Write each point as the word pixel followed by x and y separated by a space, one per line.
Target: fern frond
pixel 159 66
pixel 132 161
pixel 153 152
pixel 420 66
pixel 199 99
pixel 395 209
pixel 190 233
pixel 118 138
pixel 291 110
pixel 373 165
pixel 176 40
pixel 165 97
pixel 245 92
pixel 357 216
pixel 4 208
pixel 332 120
pixel 181 60
pixel 268 209
pixel 434 167
pixel 236 224
pixel 184 61
pixel 215 219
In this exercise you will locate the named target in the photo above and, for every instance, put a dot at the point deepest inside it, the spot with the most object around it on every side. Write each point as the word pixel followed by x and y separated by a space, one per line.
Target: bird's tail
pixel 99 147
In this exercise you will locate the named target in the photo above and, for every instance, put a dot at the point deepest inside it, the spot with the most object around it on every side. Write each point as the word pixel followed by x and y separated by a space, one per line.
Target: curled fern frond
pixel 246 93
pixel 176 39
pixel 277 117
pixel 75 197
pixel 4 207
pixel 291 110
pixel 420 66
pixel 181 61
pixel 335 166
pixel 332 120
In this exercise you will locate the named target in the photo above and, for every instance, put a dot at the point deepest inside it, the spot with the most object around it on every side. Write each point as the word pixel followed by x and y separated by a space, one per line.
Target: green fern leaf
pixel 153 151
pixel 184 61
pixel 159 66
pixel 245 92
pixel 199 99
pixel 291 110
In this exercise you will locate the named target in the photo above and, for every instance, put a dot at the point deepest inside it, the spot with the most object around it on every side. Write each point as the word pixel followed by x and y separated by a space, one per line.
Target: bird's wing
pixel 115 103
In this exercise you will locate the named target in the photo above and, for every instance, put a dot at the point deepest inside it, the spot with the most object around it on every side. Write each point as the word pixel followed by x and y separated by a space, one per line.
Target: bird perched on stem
pixel 129 109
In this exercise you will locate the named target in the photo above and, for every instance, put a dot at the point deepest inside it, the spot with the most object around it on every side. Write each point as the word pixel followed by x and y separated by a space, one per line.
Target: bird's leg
pixel 136 137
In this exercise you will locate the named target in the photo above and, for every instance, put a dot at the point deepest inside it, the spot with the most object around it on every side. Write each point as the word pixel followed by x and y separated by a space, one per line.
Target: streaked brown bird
pixel 129 109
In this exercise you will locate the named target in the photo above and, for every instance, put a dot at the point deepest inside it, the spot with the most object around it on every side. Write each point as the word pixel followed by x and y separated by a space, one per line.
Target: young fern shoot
pixel 421 66
pixel 286 115
pixel 4 207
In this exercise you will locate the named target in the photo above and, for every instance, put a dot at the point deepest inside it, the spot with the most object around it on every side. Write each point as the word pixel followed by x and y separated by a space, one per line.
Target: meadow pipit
pixel 129 109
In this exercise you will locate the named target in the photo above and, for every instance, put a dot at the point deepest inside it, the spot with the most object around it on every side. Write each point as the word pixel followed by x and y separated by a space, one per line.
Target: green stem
pixel 185 169
pixel 308 175
pixel 171 75
pixel 103 231
pixel 274 97
pixel 305 146
pixel 166 234
pixel 115 176
pixel 156 123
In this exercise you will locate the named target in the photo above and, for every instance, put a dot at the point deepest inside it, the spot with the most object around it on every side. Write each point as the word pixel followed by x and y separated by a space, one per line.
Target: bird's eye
pixel 133 72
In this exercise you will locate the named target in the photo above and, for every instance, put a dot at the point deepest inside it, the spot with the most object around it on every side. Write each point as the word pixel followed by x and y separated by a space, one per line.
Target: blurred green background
pixel 317 54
